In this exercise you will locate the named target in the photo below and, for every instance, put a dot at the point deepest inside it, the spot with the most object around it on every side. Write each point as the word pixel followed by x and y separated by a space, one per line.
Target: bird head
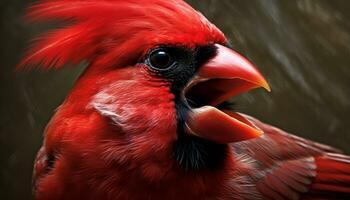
pixel 157 74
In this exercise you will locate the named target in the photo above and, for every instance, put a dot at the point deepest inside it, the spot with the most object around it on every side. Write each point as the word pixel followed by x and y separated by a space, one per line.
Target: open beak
pixel 226 75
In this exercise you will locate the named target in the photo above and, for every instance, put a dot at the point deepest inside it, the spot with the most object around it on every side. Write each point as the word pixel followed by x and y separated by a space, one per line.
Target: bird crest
pixel 113 33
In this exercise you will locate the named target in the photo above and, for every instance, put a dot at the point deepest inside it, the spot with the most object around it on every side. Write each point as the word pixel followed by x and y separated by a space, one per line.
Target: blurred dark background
pixel 301 46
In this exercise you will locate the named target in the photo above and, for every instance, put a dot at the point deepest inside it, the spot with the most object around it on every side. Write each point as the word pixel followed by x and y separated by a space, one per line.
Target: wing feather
pixel 290 168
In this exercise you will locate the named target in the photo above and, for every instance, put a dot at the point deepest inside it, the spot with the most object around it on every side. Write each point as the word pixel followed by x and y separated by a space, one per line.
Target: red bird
pixel 147 118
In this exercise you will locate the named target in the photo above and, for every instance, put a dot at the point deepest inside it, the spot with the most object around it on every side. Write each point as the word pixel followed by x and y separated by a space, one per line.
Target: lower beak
pixel 226 75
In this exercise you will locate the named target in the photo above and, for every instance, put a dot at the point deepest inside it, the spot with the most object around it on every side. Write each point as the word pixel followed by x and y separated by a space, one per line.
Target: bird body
pixel 146 119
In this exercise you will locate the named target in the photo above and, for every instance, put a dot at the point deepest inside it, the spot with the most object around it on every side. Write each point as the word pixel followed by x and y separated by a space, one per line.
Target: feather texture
pixel 292 168
pixel 114 33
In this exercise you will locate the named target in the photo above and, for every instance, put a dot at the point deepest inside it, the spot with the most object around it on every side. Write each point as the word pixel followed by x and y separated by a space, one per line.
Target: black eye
pixel 160 59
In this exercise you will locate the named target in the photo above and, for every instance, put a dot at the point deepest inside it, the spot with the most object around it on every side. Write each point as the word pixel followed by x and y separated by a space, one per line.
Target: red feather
pixel 114 33
pixel 294 168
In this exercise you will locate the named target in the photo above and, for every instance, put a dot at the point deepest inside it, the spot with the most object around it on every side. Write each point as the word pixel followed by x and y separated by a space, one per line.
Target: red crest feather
pixel 114 32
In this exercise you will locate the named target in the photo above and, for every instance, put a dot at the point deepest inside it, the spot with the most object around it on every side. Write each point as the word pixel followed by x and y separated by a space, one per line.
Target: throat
pixel 194 153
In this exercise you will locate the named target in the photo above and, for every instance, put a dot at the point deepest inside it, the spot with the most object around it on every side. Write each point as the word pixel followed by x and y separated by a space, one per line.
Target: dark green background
pixel 301 46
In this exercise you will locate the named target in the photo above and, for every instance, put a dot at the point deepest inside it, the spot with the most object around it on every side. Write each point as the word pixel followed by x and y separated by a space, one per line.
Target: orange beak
pixel 226 75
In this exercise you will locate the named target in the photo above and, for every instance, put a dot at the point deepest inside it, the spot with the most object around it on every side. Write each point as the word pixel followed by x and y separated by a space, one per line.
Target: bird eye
pixel 160 59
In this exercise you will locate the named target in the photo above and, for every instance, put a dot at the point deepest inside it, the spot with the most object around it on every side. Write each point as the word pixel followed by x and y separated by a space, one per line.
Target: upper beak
pixel 224 76
pixel 228 64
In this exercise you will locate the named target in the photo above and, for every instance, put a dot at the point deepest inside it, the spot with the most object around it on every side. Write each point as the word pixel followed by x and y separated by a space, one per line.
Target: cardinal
pixel 148 118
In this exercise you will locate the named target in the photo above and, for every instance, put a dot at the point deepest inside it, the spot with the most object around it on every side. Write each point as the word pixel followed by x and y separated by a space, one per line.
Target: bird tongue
pixel 221 126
